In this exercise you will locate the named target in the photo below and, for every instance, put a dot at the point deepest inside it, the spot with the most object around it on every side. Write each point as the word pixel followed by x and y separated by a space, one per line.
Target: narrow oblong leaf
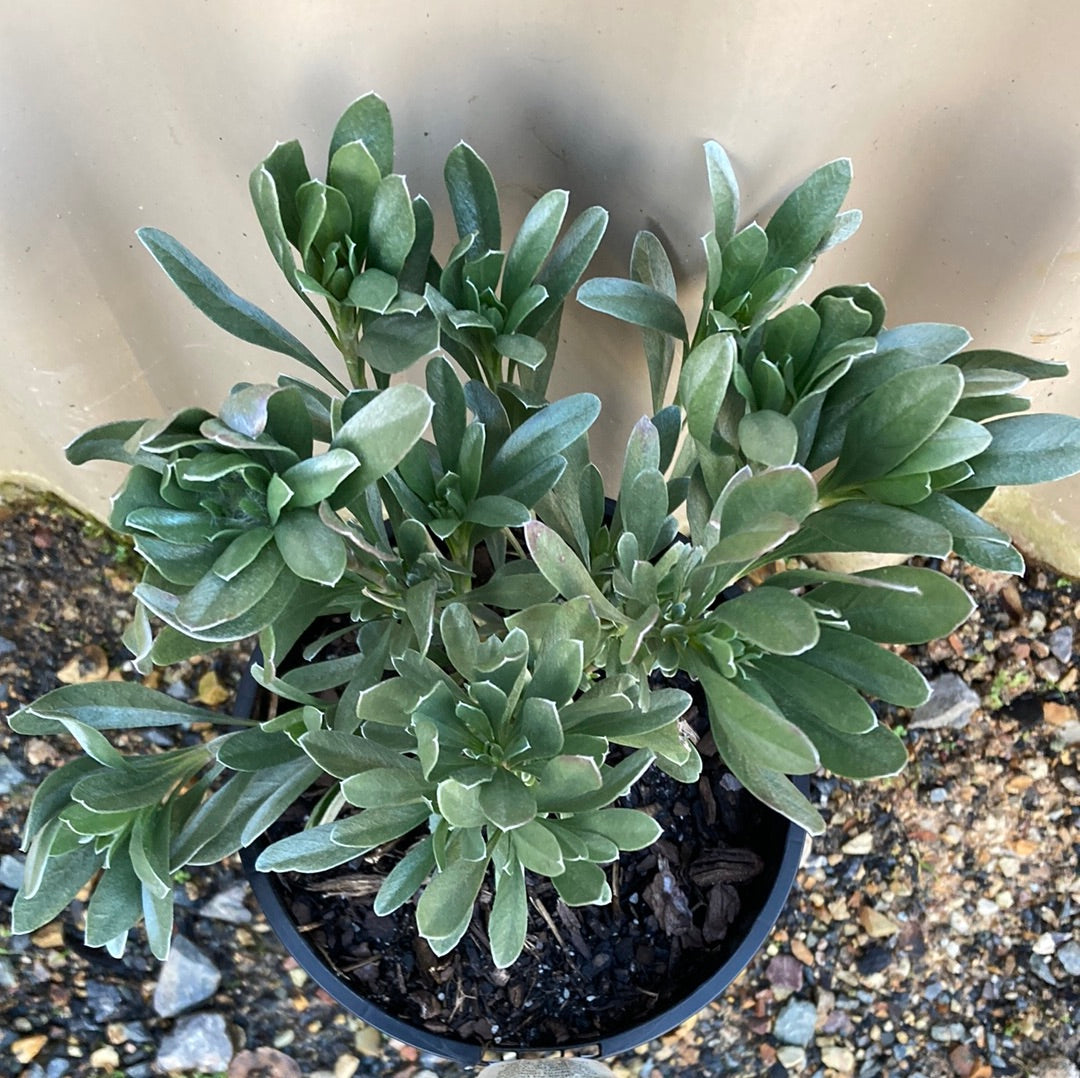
pixel 724 189
pixel 806 215
pixel 868 667
pixel 892 617
pixel 383 431
pixel 634 302
pixel 564 571
pixel 367 120
pixel 1027 449
pixel 473 198
pixel 772 618
pixel 533 244
pixel 223 306
pixel 446 906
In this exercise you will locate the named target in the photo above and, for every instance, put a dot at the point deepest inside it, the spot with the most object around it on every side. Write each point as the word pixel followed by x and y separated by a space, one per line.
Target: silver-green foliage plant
pixel 504 630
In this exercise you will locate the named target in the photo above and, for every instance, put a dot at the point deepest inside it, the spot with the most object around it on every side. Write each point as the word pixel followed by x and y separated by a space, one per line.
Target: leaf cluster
pixel 495 673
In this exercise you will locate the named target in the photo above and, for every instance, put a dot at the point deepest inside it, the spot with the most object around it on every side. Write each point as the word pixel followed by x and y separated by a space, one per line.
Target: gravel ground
pixel 933 930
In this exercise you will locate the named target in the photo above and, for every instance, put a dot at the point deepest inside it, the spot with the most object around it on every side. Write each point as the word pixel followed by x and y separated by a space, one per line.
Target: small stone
pixel 178 690
pixel 861 843
pixel 838 1058
pixel 103 1001
pixel 791 1057
pixel 949 1033
pixel 368 1042
pixel 264 1063
pixel 7 974
pixel 87 664
pixel 12 871
pixel 802 952
pixel 346 1065
pixel 107 1058
pixel 26 1048
pixel 1055 1067
pixel 228 906
pixel 1044 945
pixel 962 1061
pixel 877 925
pixel 938 795
pixel 285 1038
pixel 1069 956
pixel 952 703
pixel 1042 970
pixel 6 646
pixel 200 1042
pixel 795 1023
pixel 784 971
pixel 211 691
pixel 51 936
pixel 875 959
pixel 298 977
pixel 187 978
pixel 986 907
pixel 1049 670
pixel 1036 622
pixel 1061 643
pixel 10 776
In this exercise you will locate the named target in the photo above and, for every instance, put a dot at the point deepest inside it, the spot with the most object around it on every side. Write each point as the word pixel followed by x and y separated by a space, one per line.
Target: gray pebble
pixel 178 691
pixel 58 1067
pixel 1061 643
pixel 1036 622
pixel 104 1001
pixel 950 1033
pixel 1049 670
pixel 7 974
pixel 200 1042
pixel 791 1056
pixel 6 646
pixel 1069 956
pixel 187 978
pixel 12 870
pixel 952 703
pixel 938 794
pixel 228 906
pixel 933 990
pixel 1056 1067
pixel 10 776
pixel 1041 970
pixel 795 1023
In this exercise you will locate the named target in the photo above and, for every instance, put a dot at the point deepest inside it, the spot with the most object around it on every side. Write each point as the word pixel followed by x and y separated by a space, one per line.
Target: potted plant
pixel 475 660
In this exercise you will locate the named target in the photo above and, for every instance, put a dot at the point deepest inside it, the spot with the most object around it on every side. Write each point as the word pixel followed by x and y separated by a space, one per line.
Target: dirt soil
pixel 933 930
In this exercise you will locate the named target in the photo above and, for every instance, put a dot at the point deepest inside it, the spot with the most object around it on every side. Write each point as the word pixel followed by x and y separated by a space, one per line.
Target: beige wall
pixel 962 118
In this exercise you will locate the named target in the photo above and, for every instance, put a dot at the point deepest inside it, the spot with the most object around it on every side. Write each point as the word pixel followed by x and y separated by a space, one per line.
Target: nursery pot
pixel 781 852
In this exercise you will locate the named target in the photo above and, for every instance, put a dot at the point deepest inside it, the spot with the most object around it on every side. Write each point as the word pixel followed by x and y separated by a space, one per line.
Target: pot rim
pixel 469 1053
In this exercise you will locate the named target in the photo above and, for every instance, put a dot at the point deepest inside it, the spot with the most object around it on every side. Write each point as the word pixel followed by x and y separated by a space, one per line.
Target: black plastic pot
pixel 781 863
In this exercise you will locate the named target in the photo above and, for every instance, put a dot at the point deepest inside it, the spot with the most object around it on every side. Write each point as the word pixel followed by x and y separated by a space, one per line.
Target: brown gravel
pixel 932 929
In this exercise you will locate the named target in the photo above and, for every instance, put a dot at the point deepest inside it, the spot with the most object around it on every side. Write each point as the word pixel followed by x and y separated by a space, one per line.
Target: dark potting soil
pixel 680 908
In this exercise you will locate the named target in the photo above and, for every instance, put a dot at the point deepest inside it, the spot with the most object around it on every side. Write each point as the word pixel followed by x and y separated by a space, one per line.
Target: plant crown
pixel 507 632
